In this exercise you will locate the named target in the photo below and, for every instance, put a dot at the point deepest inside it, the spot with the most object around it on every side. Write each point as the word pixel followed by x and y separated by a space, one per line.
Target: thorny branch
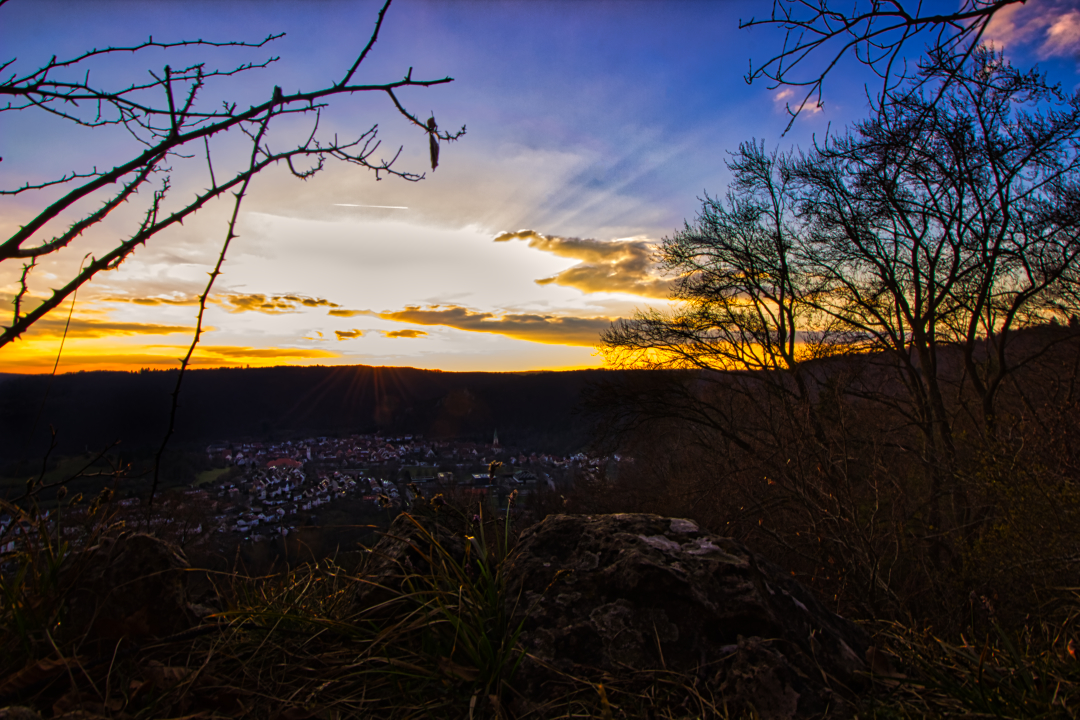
pixel 164 115
pixel 256 151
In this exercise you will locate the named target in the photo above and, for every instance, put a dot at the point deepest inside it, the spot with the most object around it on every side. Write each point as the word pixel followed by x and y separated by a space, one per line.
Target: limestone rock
pixel 133 585
pixel 620 593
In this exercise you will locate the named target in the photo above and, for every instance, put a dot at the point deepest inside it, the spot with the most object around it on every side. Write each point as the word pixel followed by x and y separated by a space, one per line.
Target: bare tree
pixel 742 304
pixel 910 253
pixel 819 35
pixel 949 220
pixel 945 220
pixel 172 123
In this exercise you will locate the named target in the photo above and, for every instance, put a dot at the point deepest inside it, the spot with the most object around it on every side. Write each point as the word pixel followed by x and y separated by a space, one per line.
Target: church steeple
pixel 495 440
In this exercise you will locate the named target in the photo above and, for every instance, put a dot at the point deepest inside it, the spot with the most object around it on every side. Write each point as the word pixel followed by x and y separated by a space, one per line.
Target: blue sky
pixel 595 125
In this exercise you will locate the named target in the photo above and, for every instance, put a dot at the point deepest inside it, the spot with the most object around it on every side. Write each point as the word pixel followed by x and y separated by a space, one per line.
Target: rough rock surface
pixel 133 585
pixel 643 592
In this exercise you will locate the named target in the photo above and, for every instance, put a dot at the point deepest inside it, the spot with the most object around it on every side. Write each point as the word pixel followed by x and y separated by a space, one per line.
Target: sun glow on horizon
pixel 105 361
pixel 537 232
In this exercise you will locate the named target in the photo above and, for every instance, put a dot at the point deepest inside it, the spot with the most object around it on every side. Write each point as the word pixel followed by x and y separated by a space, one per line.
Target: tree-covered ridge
pixel 529 409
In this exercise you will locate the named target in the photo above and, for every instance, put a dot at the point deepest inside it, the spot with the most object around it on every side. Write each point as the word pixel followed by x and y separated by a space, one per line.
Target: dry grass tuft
pixel 304 643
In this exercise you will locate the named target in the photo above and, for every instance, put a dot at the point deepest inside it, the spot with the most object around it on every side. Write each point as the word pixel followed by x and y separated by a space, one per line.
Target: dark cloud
pixel 311 302
pixel 404 333
pixel 625 266
pixel 270 304
pixel 548 329
pixel 348 334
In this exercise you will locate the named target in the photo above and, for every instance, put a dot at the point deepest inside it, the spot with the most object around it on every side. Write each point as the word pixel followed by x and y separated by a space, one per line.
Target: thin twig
pixel 52 375
pixel 256 151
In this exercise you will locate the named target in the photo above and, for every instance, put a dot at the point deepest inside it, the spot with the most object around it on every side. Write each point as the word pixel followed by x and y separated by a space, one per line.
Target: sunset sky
pixel 593 128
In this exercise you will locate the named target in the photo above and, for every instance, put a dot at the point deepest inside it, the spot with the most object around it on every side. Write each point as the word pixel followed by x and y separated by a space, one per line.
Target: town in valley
pixel 263 492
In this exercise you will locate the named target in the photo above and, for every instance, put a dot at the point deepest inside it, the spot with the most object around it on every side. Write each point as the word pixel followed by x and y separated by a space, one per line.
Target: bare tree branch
pixel 230 234
pixel 819 35
pixel 165 116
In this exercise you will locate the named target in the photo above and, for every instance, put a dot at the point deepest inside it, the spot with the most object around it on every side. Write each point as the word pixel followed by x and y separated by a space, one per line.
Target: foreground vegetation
pixel 323 640
pixel 871 375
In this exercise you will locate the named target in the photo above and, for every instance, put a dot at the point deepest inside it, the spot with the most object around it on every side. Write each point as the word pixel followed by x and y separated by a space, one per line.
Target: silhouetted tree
pixel 951 220
pixel 948 221
pixel 849 316
pixel 819 35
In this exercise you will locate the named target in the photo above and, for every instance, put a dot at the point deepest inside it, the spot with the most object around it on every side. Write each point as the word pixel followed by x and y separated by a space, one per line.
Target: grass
pixel 59 471
pixel 1033 673
pixel 441 639
pixel 208 476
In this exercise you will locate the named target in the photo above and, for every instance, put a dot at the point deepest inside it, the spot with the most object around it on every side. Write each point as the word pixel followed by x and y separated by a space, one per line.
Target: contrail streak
pixel 384 207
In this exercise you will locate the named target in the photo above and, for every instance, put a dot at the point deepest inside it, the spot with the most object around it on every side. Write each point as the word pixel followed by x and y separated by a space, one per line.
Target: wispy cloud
pixel 380 207
pixel 342 312
pixel 233 302
pixel 783 99
pixel 625 266
pixel 404 333
pixel 209 353
pixel 548 329
pixel 1051 27
pixel 1063 37
pixel 348 334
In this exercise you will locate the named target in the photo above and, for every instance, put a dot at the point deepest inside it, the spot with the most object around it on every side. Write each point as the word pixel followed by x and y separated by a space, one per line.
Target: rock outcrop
pixel 133 585
pixel 619 593
pixel 627 596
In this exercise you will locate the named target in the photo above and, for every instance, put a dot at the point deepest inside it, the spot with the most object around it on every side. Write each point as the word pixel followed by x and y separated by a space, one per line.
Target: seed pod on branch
pixel 433 141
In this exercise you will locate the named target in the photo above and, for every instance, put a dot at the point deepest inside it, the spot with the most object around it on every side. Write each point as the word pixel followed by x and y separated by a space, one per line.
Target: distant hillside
pixel 91 410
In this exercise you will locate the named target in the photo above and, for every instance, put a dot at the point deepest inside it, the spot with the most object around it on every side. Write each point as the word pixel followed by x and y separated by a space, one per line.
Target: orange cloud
pixel 340 312
pixel 610 278
pixel 149 301
pixel 270 304
pixel 1051 26
pixel 90 328
pixel 625 266
pixel 404 334
pixel 88 321
pixel 547 329
pixel 348 334
pixel 236 352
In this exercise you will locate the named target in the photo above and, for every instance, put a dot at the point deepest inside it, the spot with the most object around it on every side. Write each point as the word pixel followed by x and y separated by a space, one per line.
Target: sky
pixel 593 130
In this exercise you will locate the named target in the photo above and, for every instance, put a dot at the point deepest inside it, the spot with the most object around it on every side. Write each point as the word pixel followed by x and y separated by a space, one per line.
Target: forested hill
pixel 91 410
